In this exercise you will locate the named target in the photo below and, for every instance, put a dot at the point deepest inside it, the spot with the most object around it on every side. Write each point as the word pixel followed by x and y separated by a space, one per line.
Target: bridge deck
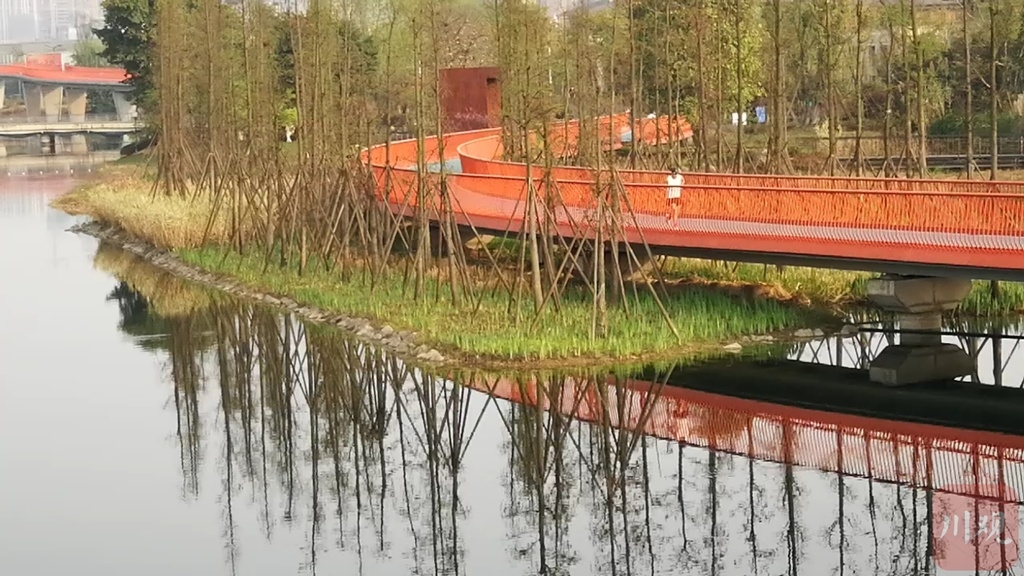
pixel 940 227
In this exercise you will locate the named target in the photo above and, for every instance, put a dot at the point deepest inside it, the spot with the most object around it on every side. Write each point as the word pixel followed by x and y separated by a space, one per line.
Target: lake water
pixel 149 427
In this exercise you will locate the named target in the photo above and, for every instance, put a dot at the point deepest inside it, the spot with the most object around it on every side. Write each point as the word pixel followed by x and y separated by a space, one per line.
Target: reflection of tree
pixel 323 435
pixel 187 377
pixel 539 473
pixel 615 475
pixel 137 319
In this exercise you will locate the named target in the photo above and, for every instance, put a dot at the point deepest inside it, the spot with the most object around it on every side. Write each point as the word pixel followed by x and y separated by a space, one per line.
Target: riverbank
pixel 168 232
pixel 713 306
pixel 434 332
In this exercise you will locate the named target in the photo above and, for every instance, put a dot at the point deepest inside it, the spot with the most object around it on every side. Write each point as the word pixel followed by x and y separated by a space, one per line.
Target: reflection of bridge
pixel 965 462
pixel 31 166
pixel 416 444
pixel 49 89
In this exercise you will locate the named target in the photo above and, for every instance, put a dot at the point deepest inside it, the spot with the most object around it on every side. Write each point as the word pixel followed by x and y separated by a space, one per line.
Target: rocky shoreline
pixel 399 342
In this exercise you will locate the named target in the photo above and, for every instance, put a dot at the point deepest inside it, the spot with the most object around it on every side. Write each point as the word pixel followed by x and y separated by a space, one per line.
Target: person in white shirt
pixel 675 193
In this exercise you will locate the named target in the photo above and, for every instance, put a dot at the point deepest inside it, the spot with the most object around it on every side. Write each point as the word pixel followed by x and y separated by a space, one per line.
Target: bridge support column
pixel 48 142
pixel 919 303
pixel 123 106
pixel 43 101
pixel 33 100
pixel 52 99
pixel 439 246
pixel 79 145
pixel 77 99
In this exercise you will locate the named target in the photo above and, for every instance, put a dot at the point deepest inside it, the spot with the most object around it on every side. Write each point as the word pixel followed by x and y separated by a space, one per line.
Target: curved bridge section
pixel 972 229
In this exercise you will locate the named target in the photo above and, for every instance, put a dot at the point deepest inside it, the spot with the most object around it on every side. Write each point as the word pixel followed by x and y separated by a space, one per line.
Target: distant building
pixel 47 20
pixel 17 20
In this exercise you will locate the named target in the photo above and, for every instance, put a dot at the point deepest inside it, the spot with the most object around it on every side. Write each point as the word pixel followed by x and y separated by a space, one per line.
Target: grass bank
pixel 705 317
pixel 710 303
pixel 702 317
pixel 168 296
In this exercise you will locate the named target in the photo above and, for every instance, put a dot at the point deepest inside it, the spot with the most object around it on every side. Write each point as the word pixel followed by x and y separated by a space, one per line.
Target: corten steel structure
pixel 49 87
pixel 471 98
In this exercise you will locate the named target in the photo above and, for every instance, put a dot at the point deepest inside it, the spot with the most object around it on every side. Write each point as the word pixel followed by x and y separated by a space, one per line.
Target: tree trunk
pixel 830 100
pixel 738 22
pixel 968 79
pixel 888 168
pixel 908 129
pixel 702 100
pixel 719 73
pixel 858 152
pixel 922 129
pixel 777 119
pixel 993 81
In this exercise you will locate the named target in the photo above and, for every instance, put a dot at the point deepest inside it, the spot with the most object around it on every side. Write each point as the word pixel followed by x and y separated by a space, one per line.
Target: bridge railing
pixel 483 156
pixel 16 120
pixel 879 216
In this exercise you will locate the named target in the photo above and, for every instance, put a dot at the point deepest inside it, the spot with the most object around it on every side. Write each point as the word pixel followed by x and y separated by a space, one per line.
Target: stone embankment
pixel 400 342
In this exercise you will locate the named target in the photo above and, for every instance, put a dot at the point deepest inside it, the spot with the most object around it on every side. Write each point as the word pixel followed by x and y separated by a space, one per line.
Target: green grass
pixel 981 302
pixel 701 316
pixel 816 285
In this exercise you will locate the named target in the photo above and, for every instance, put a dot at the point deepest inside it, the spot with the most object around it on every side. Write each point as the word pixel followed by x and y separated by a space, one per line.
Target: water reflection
pixel 373 464
pixel 35 166
pixel 994 348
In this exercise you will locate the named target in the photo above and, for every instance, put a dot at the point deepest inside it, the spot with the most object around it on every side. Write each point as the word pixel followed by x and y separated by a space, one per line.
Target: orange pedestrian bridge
pixel 940 228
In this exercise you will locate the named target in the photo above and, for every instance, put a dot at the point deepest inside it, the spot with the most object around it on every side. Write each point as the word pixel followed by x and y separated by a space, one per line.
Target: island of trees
pixel 862 87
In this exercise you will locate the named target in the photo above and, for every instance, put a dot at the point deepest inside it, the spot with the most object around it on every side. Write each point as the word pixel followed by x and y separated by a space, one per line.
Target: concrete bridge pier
pixel 48 142
pixel 43 101
pixel 77 98
pixel 123 106
pixel 79 145
pixel 919 303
